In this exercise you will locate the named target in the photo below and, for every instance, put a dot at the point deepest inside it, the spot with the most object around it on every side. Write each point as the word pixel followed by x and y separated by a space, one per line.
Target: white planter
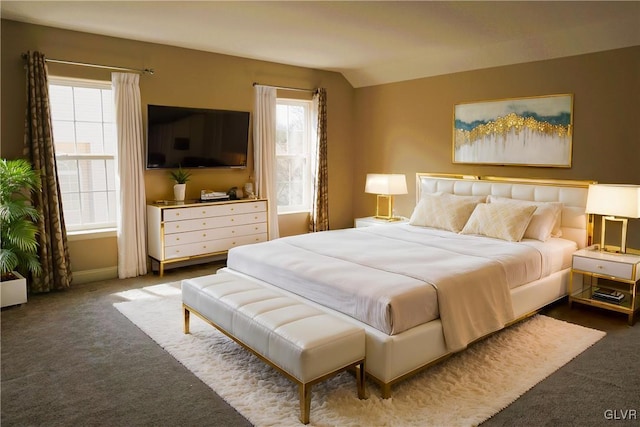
pixel 179 191
pixel 14 291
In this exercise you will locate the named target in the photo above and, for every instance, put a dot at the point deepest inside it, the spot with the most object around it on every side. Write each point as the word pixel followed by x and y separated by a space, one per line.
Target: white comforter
pixel 396 277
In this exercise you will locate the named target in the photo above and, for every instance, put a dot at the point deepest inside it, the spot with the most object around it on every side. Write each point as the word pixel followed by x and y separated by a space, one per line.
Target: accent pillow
pixel 546 218
pixel 444 211
pixel 499 220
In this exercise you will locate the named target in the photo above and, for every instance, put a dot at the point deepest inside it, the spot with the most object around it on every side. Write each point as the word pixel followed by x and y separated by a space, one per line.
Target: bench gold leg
pixel 360 379
pixel 186 320
pixel 305 402
pixel 385 391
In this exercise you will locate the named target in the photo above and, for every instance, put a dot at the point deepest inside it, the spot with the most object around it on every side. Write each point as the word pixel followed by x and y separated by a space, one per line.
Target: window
pixel 84 135
pixel 294 148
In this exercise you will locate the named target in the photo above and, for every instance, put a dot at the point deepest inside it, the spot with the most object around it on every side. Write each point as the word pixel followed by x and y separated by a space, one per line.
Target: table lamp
pixel 385 186
pixel 615 202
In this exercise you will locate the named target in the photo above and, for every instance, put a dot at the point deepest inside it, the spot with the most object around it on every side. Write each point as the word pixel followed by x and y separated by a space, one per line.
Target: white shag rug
pixel 464 390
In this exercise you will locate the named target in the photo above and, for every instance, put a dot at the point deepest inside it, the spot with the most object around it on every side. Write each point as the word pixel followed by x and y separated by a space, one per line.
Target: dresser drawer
pixel 604 267
pixel 209 211
pixel 213 234
pixel 213 222
pixel 211 246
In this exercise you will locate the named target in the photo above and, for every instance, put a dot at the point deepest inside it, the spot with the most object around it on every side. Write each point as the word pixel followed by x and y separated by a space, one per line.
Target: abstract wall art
pixel 533 131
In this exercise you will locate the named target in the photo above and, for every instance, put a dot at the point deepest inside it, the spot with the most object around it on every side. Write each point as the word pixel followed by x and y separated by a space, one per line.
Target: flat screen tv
pixel 196 138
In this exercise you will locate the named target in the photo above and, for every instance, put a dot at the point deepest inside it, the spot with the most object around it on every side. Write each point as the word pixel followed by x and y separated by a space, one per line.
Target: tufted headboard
pixel 575 223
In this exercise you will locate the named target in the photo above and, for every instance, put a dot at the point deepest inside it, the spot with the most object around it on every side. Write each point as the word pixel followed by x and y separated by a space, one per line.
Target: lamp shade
pixel 614 200
pixel 388 184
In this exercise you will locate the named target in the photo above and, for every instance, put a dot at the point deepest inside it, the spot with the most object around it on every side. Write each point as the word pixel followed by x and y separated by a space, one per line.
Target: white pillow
pixel 546 218
pixel 444 211
pixel 500 220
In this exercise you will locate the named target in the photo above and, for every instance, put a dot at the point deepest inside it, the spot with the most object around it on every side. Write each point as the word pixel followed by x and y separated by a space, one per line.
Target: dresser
pixel 184 231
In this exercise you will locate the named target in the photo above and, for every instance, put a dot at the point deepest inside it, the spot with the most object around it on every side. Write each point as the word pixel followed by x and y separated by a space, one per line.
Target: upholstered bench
pixel 304 343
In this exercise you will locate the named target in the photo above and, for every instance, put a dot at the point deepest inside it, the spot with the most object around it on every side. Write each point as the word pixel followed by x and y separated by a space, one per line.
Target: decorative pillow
pixel 546 218
pixel 444 211
pixel 500 220
pixel 477 199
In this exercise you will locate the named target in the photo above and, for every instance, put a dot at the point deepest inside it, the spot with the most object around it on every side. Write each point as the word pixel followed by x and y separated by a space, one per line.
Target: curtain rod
pixel 86 64
pixel 287 88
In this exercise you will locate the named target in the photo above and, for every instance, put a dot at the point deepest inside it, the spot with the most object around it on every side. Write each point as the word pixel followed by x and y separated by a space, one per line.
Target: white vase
pixel 178 191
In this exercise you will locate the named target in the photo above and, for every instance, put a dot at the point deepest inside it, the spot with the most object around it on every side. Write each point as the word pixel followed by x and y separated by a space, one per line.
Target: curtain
pixel 319 220
pixel 264 145
pixel 53 249
pixel 132 242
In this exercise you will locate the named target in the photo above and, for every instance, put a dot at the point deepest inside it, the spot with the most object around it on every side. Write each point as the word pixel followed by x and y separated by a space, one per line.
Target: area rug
pixel 464 390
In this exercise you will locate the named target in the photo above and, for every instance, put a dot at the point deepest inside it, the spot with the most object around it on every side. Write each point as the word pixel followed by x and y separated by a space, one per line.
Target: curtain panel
pixel 264 145
pixel 319 218
pixel 53 249
pixel 132 242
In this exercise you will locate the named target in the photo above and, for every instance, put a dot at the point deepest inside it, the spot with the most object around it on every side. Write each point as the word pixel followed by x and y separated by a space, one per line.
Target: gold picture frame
pixel 531 131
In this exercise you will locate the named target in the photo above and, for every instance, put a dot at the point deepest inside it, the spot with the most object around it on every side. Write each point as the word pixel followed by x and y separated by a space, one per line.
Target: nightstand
pixel 605 280
pixel 371 220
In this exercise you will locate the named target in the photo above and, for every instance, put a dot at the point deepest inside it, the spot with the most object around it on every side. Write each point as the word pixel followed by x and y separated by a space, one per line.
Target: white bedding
pixel 387 276
pixel 557 254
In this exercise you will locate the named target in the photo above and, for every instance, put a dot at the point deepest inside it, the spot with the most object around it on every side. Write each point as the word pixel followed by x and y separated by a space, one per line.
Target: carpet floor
pixel 70 358
pixel 464 390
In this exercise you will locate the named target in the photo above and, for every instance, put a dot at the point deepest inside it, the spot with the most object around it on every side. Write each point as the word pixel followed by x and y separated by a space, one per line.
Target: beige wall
pixel 182 77
pixel 407 127
pixel 401 127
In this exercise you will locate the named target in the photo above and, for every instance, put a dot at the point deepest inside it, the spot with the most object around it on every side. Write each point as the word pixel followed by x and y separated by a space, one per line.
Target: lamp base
pixel 384 207
pixel 623 237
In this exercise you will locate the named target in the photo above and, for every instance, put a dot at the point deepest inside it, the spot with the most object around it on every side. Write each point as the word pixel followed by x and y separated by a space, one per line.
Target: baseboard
pixel 87 276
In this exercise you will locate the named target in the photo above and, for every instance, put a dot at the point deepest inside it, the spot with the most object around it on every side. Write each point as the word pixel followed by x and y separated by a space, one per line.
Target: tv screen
pixel 196 138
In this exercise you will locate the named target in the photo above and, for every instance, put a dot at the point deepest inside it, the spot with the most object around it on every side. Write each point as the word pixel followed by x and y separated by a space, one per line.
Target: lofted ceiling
pixel 369 42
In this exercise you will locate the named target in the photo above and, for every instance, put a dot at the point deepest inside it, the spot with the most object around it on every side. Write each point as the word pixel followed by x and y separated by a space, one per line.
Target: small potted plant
pixel 180 176
pixel 18 218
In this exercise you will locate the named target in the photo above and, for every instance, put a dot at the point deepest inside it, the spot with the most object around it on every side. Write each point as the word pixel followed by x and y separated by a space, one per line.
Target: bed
pixel 478 254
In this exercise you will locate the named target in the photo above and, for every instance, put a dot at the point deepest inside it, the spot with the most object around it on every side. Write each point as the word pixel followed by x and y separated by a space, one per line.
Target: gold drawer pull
pixel 204 234
pixel 600 267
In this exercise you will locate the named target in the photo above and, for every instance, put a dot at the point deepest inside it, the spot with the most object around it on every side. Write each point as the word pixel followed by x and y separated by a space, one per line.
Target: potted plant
pixel 180 176
pixel 18 218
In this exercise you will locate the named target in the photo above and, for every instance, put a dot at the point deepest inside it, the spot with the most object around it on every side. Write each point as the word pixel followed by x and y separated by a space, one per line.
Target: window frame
pixel 95 227
pixel 309 161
